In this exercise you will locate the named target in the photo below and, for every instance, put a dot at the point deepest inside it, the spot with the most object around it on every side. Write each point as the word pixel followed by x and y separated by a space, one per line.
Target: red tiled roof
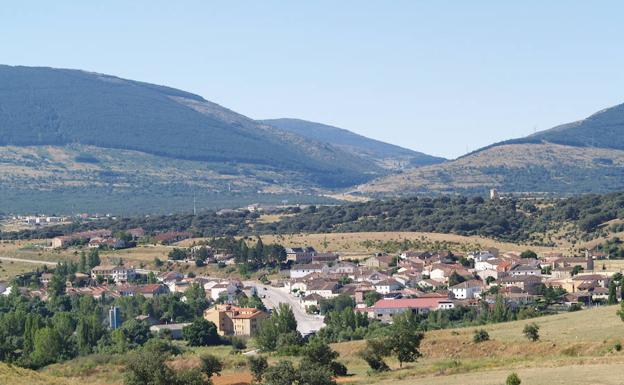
pixel 408 303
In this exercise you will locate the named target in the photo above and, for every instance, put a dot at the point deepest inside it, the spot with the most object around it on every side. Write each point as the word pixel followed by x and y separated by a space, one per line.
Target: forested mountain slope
pixel 386 155
pixel 584 156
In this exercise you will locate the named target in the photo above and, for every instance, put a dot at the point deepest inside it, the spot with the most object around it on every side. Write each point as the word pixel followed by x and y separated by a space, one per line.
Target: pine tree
pixel 612 294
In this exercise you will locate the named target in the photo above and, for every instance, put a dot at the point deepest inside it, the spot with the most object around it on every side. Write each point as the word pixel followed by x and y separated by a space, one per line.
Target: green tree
pixel 48 347
pixel 279 330
pixel 311 374
pixel 196 298
pixel 455 279
pixel 371 297
pixel 621 311
pixel 191 376
pixel 177 254
pixel 531 331
pixel 82 266
pixel 94 258
pixel 576 270
pixel 32 324
pixel 257 365
pixel 283 373
pixel 612 294
pixel 201 333
pixel 88 332
pixel 373 354
pixel 57 286
pixel 528 254
pixel 499 313
pixel 210 365
pixel 148 367
pixel 135 332
pixel 319 353
pixel 405 337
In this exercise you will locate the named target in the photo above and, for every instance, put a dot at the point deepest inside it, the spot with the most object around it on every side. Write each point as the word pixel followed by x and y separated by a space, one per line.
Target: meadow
pixel 574 348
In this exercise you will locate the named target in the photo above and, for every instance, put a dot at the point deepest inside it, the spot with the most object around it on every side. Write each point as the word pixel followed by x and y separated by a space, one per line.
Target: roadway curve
pixel 306 323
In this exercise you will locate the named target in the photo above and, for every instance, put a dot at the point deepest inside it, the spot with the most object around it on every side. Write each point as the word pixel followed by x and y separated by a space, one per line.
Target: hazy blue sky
pixel 441 77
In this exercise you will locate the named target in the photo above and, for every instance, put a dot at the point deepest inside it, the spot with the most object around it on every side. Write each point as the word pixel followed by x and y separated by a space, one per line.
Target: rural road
pixel 29 261
pixel 306 323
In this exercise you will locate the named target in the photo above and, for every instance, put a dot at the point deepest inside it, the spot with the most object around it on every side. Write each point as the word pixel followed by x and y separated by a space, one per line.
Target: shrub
pixel 480 336
pixel 513 379
pixel 531 331
pixel 257 366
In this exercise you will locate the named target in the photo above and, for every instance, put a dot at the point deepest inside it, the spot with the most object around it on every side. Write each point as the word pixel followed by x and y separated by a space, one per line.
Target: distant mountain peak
pixel 387 155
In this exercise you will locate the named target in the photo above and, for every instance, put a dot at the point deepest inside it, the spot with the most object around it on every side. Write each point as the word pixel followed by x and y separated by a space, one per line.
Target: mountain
pixel 76 140
pixel 578 157
pixel 602 129
pixel 386 155
pixel 44 106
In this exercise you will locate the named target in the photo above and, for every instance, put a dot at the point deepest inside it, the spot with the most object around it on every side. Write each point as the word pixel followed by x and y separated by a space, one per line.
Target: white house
pixel 117 273
pixel 299 271
pixel 386 286
pixel 467 290
pixel 525 270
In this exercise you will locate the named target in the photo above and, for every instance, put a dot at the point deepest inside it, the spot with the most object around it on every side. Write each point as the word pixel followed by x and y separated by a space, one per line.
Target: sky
pixel 441 77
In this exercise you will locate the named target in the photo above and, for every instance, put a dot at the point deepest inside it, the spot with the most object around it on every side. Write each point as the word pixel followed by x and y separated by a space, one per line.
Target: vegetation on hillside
pixel 45 106
pixel 510 219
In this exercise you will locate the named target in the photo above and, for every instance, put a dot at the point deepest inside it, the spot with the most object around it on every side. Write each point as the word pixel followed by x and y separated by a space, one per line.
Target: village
pixel 380 286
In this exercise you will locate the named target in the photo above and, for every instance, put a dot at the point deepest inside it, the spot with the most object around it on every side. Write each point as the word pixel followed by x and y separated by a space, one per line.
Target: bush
pixel 513 379
pixel 257 366
pixel 531 331
pixel 480 336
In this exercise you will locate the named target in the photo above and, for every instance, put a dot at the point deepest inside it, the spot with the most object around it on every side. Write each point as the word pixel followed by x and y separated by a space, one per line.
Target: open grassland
pixel 354 244
pixel 9 269
pixel 577 344
pixel 12 375
pixel 35 250
pixel 574 348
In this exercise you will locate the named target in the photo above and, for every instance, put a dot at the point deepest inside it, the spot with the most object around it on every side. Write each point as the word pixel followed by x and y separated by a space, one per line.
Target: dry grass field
pixel 9 269
pixel 366 242
pixel 574 348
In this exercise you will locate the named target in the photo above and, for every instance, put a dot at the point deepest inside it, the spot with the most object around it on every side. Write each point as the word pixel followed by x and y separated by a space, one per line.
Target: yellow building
pixel 234 320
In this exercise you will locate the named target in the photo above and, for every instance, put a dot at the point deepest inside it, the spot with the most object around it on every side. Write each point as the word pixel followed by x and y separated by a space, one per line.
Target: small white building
pixel 300 271
pixel 118 273
pixel 386 286
pixel 467 290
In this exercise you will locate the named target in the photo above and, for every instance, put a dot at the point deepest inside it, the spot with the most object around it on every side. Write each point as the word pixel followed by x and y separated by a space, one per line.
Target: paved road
pixel 306 323
pixel 29 261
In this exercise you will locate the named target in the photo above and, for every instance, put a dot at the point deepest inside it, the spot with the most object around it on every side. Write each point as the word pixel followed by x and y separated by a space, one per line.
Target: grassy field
pixel 9 269
pixel 17 376
pixel 574 348
pixel 354 244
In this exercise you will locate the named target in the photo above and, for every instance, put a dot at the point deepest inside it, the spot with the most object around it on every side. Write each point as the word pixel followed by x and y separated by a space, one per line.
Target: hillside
pixel 579 157
pixel 386 155
pixel 58 107
pixel 18 376
pixel 602 129
pixel 574 348
pixel 72 141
